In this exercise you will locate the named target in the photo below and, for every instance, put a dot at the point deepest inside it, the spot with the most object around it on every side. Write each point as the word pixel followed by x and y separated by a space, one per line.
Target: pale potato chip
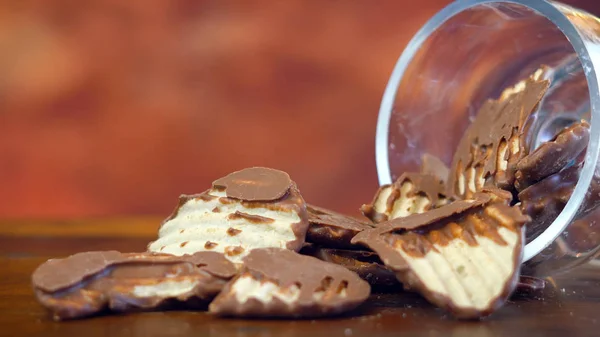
pixel 412 193
pixel 488 153
pixel 463 257
pixel 280 283
pixel 213 221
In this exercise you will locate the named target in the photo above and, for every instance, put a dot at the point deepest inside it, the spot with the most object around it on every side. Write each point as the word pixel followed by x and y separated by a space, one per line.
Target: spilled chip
pixel 463 257
pixel 332 229
pixel 412 193
pixel 88 283
pixel 280 283
pixel 488 152
pixel 253 208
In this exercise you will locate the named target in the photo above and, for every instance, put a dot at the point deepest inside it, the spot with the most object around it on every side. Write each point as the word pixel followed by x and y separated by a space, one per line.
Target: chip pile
pixel 250 246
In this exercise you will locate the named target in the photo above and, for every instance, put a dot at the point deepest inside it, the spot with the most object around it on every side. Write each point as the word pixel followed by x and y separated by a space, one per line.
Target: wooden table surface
pixel 569 306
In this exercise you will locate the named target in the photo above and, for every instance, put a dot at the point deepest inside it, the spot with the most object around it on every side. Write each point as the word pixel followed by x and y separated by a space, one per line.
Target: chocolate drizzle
pixel 255 219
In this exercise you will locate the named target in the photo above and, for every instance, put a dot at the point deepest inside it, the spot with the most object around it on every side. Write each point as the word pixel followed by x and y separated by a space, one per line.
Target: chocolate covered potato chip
pixel 488 152
pixel 544 200
pixel 364 263
pixel 552 156
pixel 88 283
pixel 463 257
pixel 280 283
pixel 332 229
pixel 252 208
pixel 412 193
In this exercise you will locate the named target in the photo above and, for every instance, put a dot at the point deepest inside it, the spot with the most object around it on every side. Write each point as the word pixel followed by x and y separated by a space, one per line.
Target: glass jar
pixel 469 52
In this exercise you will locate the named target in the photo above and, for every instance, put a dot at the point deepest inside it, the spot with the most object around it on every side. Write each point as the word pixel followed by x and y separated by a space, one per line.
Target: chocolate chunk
pixel 88 283
pixel 552 156
pixel 433 166
pixel 233 231
pixel 412 193
pixel 465 262
pixel 332 229
pixel 279 283
pixel 211 245
pixel 255 184
pixel 243 224
pixel 364 263
pixel 496 140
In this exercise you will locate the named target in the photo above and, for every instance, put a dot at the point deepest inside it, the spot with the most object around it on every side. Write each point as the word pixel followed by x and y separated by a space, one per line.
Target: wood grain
pixel 571 308
pixel 124 227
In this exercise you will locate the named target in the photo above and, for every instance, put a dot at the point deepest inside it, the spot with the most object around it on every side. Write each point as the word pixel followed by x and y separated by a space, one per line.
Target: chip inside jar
pixel 412 193
pixel 490 149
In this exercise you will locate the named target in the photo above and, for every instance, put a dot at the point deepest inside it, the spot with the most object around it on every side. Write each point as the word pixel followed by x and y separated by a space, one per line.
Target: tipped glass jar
pixel 469 52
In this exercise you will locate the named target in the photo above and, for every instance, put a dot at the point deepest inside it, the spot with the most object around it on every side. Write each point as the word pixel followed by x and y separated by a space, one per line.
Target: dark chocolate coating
pixel 552 156
pixel 364 263
pixel 332 229
pixel 88 283
pixel 255 184
pixel 288 269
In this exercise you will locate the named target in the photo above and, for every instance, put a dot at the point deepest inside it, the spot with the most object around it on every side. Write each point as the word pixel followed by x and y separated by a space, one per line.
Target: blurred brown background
pixel 112 107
